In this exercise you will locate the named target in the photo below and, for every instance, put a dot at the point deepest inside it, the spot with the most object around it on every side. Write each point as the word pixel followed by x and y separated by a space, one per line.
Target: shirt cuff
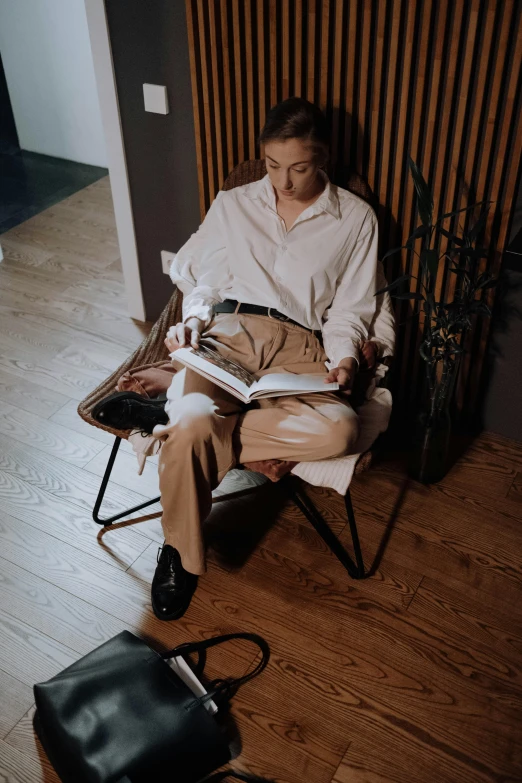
pixel 200 310
pixel 350 351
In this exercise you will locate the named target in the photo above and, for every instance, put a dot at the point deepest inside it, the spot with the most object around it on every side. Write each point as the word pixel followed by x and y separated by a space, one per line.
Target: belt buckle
pixel 279 317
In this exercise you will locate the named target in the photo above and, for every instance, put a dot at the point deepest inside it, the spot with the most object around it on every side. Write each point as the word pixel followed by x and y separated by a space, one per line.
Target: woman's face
pixel 292 166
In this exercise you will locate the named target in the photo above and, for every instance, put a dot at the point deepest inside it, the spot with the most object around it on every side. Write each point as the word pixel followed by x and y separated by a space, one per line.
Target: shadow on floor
pixel 238 524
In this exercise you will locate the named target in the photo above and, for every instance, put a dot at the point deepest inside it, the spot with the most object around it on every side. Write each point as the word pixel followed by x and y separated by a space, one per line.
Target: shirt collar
pixel 328 201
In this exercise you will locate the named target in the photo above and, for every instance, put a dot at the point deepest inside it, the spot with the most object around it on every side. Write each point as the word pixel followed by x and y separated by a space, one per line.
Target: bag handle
pixel 219 776
pixel 223 687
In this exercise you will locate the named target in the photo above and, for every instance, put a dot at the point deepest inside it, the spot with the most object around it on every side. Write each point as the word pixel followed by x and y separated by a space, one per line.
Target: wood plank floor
pixel 411 676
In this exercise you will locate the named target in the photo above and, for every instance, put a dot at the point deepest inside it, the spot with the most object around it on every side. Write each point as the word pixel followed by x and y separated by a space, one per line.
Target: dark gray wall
pixel 502 410
pixel 149 44
pixel 8 135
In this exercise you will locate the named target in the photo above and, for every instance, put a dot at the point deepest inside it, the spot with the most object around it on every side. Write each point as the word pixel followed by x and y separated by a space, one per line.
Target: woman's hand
pixel 343 374
pixel 185 334
pixel 369 353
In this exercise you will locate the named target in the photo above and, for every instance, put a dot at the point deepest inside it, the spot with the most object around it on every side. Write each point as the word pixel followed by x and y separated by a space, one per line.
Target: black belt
pixel 232 306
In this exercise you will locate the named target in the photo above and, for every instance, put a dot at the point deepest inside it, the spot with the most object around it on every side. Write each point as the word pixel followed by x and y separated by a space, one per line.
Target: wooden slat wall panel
pixel 434 79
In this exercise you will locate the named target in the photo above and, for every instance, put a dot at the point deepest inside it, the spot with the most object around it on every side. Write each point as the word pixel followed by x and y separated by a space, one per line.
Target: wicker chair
pixel 152 349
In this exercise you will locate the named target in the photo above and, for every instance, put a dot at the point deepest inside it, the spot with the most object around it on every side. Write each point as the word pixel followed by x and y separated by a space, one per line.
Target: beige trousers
pixel 210 431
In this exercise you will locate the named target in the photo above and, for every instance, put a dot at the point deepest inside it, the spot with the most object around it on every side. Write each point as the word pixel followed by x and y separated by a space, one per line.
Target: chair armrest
pixel 151 350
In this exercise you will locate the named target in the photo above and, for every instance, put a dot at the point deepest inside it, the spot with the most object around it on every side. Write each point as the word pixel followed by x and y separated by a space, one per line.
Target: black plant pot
pixel 429 457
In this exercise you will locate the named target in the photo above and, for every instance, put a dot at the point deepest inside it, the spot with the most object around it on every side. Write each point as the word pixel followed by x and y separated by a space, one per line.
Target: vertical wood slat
pixel 448 101
pixel 366 77
pixel 373 173
pixel 193 55
pixel 261 62
pixel 252 135
pixel 273 51
pixel 285 53
pixel 227 91
pixel 401 149
pixel 336 77
pixel 311 53
pixel 218 103
pixel 298 44
pixel 435 79
pixel 205 73
pixel 411 329
pixel 436 104
pixel 236 27
pixel 350 119
pixel 457 153
pixel 392 72
pixel 324 77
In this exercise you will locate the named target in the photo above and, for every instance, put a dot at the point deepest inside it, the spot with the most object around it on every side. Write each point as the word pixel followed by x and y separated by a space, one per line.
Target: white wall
pixel 48 66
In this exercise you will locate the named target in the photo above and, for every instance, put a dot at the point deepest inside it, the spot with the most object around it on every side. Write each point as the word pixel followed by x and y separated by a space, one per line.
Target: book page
pixel 204 360
pixel 217 360
pixel 289 382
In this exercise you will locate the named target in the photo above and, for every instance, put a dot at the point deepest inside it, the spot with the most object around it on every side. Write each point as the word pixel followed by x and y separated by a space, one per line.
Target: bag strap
pixel 224 688
pixel 216 777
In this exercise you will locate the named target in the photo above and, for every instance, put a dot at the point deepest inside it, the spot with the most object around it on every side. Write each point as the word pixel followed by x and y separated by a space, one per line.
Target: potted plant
pixel 446 321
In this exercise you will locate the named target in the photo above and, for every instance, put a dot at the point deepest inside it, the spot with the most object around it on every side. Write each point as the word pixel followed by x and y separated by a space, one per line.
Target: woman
pixel 280 275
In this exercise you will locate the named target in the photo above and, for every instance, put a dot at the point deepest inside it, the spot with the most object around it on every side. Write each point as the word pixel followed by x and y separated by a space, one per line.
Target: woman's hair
pixel 297 118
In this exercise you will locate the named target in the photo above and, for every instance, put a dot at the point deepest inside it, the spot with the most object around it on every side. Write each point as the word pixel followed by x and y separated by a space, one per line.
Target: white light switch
pixel 156 98
pixel 166 261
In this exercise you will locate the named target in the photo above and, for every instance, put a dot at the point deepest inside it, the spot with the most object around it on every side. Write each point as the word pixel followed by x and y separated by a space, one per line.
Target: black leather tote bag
pixel 121 715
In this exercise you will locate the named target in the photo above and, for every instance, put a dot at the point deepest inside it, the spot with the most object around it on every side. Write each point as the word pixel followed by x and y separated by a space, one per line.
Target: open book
pixel 239 382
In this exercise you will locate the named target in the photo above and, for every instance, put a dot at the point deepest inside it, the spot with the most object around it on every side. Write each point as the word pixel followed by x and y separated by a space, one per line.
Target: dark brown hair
pixel 297 118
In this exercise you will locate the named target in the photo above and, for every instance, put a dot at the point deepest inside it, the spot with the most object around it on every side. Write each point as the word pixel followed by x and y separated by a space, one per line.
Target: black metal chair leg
pixel 301 499
pixel 355 534
pixel 103 487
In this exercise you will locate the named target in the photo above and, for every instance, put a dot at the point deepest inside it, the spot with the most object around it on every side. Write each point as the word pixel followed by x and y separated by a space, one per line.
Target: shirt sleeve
pixel 347 321
pixel 382 329
pixel 200 268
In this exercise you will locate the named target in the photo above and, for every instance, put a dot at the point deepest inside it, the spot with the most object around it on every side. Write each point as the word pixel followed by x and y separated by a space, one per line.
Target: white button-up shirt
pixel 322 273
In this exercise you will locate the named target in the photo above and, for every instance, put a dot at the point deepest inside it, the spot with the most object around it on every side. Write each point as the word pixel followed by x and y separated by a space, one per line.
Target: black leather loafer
pixel 130 411
pixel 172 586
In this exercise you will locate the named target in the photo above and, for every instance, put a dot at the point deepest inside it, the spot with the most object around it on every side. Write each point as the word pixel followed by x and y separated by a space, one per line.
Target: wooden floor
pixel 411 676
